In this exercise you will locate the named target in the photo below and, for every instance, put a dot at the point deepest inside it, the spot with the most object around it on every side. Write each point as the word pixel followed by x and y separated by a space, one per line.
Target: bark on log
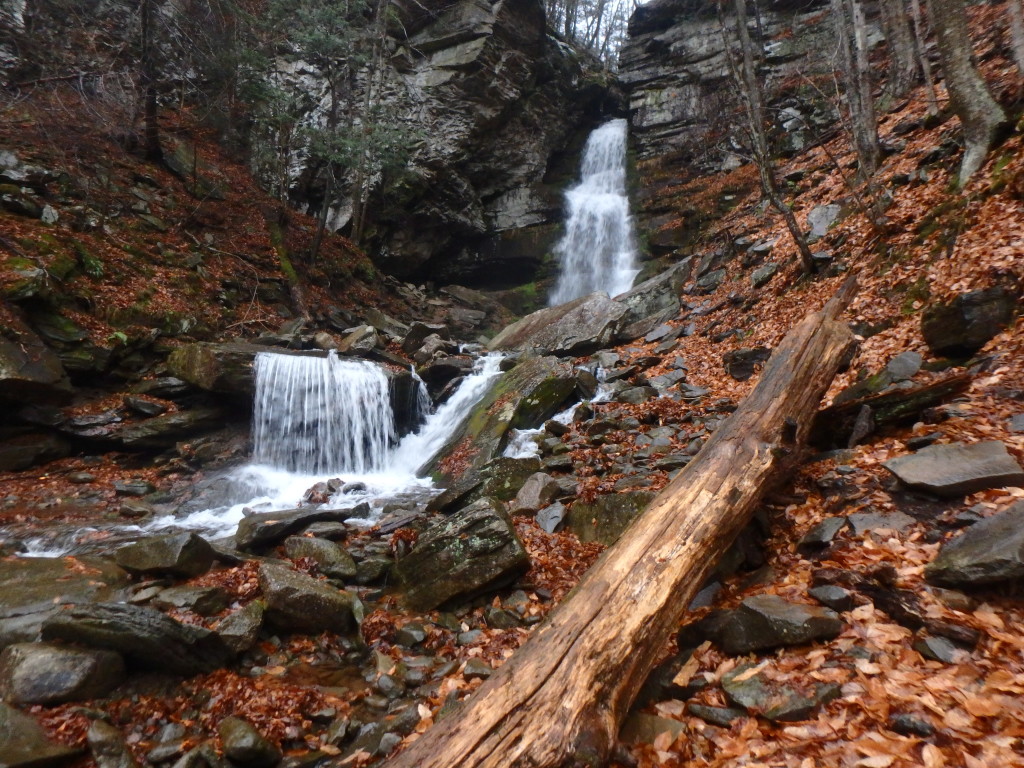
pixel 559 701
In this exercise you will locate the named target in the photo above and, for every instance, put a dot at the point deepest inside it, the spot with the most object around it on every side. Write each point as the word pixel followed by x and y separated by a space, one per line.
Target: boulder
pixel 578 327
pixel 30 372
pixel 360 341
pixel 223 368
pixel 963 326
pixel 331 560
pixel 767 621
pixel 145 637
pixel 504 477
pixel 178 554
pixel 656 297
pixel 461 556
pixel 989 552
pixel 418 332
pixel 761 276
pixel 299 603
pixel 956 469
pixel 240 629
pixel 20 450
pixel 24 744
pixel 522 398
pixel 821 218
pixel 267 529
pixel 245 746
pixel 539 490
pixel 604 519
pixel 41 673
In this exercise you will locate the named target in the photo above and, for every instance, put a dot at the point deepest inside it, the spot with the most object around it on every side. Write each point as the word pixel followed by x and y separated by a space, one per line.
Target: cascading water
pixel 321 416
pixel 597 252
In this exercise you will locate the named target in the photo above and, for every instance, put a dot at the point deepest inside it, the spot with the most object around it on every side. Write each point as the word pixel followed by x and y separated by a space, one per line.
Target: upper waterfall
pixel 598 251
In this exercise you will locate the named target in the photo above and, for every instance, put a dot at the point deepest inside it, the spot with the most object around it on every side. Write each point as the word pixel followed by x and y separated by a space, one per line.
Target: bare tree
pixel 753 106
pixel 851 35
pixel 148 77
pixel 921 48
pixel 980 115
pixel 903 66
pixel 1015 8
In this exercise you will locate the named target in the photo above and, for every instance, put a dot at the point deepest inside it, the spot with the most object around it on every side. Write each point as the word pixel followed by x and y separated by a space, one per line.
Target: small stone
pixel 477 668
pixel 904 366
pixel 937 649
pixel 206 601
pixel 823 534
pixel 907 725
pixel 836 598
pixel 923 441
pixel 240 630
pixel 720 716
pixel 245 746
pixel 1016 423
pixel 390 686
pixel 469 637
pixel 550 518
pixel 761 276
pixel 331 560
pixel 133 487
pixel 108 747
pixel 862 523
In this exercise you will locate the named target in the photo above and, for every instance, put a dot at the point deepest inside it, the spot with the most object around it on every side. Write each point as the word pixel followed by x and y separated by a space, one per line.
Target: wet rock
pixel 578 327
pixel 989 552
pixel 144 636
pixel 504 477
pixel 741 364
pixel 245 746
pixel 956 469
pixel 331 560
pixel 374 570
pixel 299 603
pixel 108 746
pixel 267 529
pixel 24 744
pixel 163 431
pixel 33 587
pixel 657 297
pixel 143 406
pixel 523 398
pixel 604 519
pixel 360 341
pixel 30 372
pixel 759 696
pixel 133 487
pixel 206 601
pixel 240 629
pixel 224 368
pixel 463 555
pixel 966 324
pixel 418 333
pixel 177 554
pixel 41 673
pixel 768 621
pixel 20 450
pixel 411 634
pixel 539 490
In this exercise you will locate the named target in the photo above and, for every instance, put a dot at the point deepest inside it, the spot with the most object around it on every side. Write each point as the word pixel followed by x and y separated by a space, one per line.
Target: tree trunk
pixel 982 118
pixel 921 46
pixel 560 700
pixel 1015 8
pixel 900 39
pixel 149 75
pixel 750 93
pixel 851 33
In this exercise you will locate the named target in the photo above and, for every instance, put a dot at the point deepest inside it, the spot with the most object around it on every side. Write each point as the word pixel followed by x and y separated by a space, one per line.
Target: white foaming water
pixel 597 252
pixel 321 415
pixel 275 480
pixel 525 443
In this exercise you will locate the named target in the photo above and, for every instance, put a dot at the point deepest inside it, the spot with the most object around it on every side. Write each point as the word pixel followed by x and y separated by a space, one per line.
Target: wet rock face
pixel 461 556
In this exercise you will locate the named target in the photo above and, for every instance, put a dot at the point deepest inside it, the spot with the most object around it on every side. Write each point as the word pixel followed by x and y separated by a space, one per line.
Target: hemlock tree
pixel 980 115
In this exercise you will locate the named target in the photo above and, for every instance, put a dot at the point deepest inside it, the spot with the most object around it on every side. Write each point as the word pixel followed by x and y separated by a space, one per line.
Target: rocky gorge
pixel 866 614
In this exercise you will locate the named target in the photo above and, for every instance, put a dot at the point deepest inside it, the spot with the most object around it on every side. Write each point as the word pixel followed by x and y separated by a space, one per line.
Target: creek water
pixel 598 249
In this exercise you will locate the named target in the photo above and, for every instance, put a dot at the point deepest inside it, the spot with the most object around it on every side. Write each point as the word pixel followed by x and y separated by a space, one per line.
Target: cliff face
pixel 501 107
pixel 675 68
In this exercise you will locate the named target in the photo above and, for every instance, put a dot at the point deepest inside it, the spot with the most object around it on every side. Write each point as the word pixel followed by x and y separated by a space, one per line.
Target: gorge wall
pixel 503 108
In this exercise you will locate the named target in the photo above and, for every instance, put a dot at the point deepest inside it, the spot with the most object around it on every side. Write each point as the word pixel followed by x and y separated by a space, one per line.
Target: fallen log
pixel 559 701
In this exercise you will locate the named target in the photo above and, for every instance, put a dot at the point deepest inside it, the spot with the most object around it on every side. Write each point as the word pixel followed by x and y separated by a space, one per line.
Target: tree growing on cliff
pixel 980 115
pixel 745 74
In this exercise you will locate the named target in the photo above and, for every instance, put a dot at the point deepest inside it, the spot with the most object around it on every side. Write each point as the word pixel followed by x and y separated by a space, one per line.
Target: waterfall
pixel 320 415
pixel 597 252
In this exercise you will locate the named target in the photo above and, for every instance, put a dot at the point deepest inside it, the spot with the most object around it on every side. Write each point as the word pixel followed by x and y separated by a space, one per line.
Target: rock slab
pixel 956 469
pixel 463 555
pixel 578 327
pixel 989 552
pixel 767 621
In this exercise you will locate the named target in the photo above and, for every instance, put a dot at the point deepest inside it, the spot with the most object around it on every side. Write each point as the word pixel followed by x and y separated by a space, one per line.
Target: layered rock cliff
pixel 504 108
